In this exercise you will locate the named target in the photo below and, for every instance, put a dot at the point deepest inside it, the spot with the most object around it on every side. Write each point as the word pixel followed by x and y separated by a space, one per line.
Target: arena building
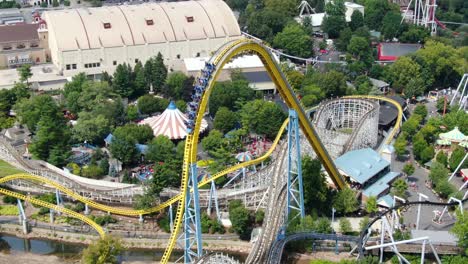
pixel 94 40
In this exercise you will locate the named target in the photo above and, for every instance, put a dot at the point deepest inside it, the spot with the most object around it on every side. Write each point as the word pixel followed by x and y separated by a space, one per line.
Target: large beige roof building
pixel 94 40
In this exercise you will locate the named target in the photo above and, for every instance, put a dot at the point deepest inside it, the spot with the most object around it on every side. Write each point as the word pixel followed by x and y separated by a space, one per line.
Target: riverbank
pixel 237 246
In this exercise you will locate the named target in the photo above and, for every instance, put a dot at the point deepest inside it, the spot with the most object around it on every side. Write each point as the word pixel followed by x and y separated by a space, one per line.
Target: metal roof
pixel 381 185
pixel 148 23
pixel 398 49
pixel 361 164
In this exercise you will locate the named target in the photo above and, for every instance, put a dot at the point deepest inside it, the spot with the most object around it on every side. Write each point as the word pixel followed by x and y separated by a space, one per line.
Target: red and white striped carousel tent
pixel 171 123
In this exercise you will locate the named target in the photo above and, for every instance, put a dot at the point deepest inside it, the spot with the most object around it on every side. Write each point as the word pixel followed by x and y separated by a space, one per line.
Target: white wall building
pixel 94 40
pixel 350 8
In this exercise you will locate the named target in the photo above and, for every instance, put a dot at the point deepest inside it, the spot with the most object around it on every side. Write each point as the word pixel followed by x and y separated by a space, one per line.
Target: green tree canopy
pixel 122 80
pixel 456 157
pixel 159 72
pixel 231 94
pixel 399 188
pixel 371 205
pixel 225 120
pixel 25 73
pixel 460 229
pixel 262 117
pixel 357 20
pixel 266 23
pixel 104 251
pixel 315 187
pixel 30 111
pixel 123 148
pixel 345 201
pixel 175 85
pixel 161 148
pixel 140 133
pixel 294 40
pixel 391 24
pixel 91 128
pixel 345 225
pixel 149 104
pixel 402 72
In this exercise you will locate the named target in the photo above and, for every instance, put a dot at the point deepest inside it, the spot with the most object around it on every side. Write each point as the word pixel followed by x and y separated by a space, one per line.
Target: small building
pixel 17 135
pixel 366 170
pixel 391 51
pixel 381 85
pixel 350 8
pixel 20 44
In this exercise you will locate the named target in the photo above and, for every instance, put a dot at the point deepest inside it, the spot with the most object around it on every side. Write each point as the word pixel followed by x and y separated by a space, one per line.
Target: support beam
pixel 397 243
pixel 192 223
pixel 419 208
pixel 295 193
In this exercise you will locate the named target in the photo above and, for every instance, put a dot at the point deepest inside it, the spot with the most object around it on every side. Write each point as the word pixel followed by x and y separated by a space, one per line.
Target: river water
pixel 14 245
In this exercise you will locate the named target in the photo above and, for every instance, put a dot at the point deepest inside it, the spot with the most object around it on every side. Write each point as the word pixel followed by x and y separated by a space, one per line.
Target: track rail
pixel 54 207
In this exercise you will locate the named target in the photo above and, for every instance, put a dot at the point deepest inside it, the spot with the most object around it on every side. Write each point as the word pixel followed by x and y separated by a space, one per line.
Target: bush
pixel 105 219
pixel 9 210
pixel 9 199
pixel 345 226
pixel 43 211
pixel 408 169
pixel 66 3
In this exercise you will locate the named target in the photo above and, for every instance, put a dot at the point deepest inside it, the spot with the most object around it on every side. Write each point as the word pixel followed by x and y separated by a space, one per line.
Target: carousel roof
pixel 171 123
pixel 454 135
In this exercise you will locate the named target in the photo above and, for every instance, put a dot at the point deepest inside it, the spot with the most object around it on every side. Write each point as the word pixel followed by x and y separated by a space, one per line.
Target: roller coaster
pixel 279 192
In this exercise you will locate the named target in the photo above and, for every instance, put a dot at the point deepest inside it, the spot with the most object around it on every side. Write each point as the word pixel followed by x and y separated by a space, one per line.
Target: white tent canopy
pixel 170 123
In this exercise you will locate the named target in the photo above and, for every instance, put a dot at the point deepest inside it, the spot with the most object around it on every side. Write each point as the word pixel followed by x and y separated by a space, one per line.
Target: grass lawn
pixel 7 169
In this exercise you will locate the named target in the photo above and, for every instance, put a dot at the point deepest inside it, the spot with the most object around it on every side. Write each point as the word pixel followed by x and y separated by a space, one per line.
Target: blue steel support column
pixel 295 197
pixel 192 224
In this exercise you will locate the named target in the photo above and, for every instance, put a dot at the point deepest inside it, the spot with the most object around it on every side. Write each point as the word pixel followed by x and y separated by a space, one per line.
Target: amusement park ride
pixel 286 186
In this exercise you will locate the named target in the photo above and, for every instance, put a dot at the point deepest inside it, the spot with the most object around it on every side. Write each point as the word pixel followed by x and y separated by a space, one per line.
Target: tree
pixel 344 38
pixel 174 87
pixel 148 104
pixel 375 12
pixel 332 25
pixel 345 201
pixel 225 120
pixel 442 158
pixel 323 226
pixel 240 218
pixel 103 251
pixel 402 72
pixel 411 126
pixel 213 141
pixel 140 85
pixel 357 20
pixel 408 169
pixel 399 188
pixel 237 4
pixel 391 24
pixel 359 47
pixel 315 186
pixel 363 223
pixel 460 229
pixel 91 128
pixel 455 159
pixel 441 104
pixel 286 7
pixel 345 226
pixel 161 148
pixel 55 3
pixel 123 149
pixel 400 145
pixel 371 205
pixel 66 3
pixel 414 87
pixel 231 94
pixel 262 117
pixel 140 133
pixel 444 188
pixel 427 154
pixel 420 110
pixel 295 41
pixel 266 23
pixel 414 34
pixel 30 111
pixel 122 82
pixel 159 72
pixel 438 172
pixel 132 113
pixel 143 202
pixel 51 141
pixel 331 83
pixel 165 175
pixel 25 73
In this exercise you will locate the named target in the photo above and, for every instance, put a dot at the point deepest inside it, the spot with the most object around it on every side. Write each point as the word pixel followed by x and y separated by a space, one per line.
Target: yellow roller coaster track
pixel 56 208
pixel 230 50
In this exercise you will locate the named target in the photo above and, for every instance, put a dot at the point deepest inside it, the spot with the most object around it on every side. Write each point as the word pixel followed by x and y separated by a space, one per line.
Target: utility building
pixel 94 40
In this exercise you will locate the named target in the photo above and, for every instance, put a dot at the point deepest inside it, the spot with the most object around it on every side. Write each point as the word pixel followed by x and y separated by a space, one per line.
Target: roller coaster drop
pixel 188 211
